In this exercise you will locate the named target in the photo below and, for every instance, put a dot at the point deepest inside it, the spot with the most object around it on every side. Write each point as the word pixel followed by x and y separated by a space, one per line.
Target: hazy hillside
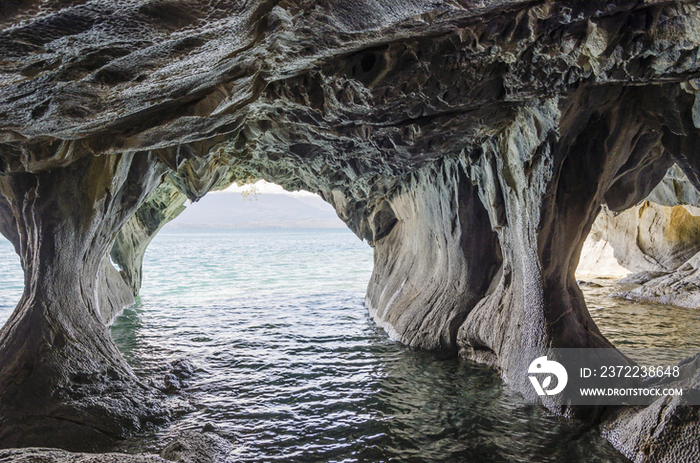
pixel 264 210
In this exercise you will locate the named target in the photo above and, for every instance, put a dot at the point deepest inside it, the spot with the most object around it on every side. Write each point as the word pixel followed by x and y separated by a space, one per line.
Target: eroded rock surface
pixel 646 433
pixel 184 447
pixel 59 368
pixel 198 447
pixel 649 237
pixel 34 455
pixel 658 241
pixel 432 230
pixel 472 143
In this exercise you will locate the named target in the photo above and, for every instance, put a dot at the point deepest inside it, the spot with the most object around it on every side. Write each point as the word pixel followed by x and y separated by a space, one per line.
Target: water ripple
pixel 292 369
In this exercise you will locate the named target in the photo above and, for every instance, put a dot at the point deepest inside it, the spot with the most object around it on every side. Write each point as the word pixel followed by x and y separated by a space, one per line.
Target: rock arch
pixel 472 144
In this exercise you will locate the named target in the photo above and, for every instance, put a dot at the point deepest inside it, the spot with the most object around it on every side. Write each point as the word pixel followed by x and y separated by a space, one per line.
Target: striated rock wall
pixel 542 186
pixel 472 143
pixel 127 252
pixel 59 369
pixel 657 240
pixel 432 230
pixel 649 237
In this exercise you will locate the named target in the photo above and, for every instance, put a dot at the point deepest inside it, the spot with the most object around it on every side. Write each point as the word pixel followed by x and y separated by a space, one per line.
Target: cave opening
pixel 242 250
pixel 470 145
pixel 639 265
pixel 271 321
pixel 224 310
pixel 12 278
pixel 263 333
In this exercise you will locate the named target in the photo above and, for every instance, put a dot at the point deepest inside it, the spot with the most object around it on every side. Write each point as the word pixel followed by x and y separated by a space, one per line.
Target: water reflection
pixel 666 334
pixel 11 279
pixel 125 332
pixel 292 370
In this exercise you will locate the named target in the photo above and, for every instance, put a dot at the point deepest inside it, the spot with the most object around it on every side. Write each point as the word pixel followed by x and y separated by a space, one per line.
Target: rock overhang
pixel 472 143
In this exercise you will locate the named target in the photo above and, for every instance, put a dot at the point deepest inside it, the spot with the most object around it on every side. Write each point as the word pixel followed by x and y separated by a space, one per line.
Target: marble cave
pixel 475 144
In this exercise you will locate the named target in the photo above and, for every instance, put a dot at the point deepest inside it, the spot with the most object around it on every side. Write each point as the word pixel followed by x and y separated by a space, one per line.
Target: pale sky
pixel 263 187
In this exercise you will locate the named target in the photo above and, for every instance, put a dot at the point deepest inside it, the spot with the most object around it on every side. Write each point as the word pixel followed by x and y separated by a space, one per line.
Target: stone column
pixel 62 380
pixel 434 257
pixel 542 181
pixel 166 203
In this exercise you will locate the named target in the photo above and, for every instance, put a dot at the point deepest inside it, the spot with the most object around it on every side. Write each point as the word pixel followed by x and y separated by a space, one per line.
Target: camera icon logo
pixel 541 366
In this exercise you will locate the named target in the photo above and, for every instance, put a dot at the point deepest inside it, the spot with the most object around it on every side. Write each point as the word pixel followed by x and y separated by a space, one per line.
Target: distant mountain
pixel 264 210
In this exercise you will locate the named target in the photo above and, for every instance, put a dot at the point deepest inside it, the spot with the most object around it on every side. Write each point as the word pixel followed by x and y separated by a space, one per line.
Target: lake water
pixel 291 368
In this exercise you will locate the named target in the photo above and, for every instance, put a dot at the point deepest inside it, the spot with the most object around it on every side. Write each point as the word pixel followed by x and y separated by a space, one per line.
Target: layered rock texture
pixel 657 241
pixel 185 447
pixel 472 143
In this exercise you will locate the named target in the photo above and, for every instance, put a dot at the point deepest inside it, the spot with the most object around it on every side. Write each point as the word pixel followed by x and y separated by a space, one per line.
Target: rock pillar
pixel 62 380
pixel 434 257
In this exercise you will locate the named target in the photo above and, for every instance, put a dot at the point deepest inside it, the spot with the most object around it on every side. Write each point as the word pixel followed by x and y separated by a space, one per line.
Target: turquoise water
pixel 291 368
pixel 11 279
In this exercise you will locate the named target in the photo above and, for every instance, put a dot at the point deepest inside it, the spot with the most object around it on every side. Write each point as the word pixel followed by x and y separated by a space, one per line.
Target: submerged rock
pixel 590 284
pixel 659 240
pixel 641 278
pixel 197 447
pixel 35 455
pixel 175 377
pixel 472 143
pixel 185 447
